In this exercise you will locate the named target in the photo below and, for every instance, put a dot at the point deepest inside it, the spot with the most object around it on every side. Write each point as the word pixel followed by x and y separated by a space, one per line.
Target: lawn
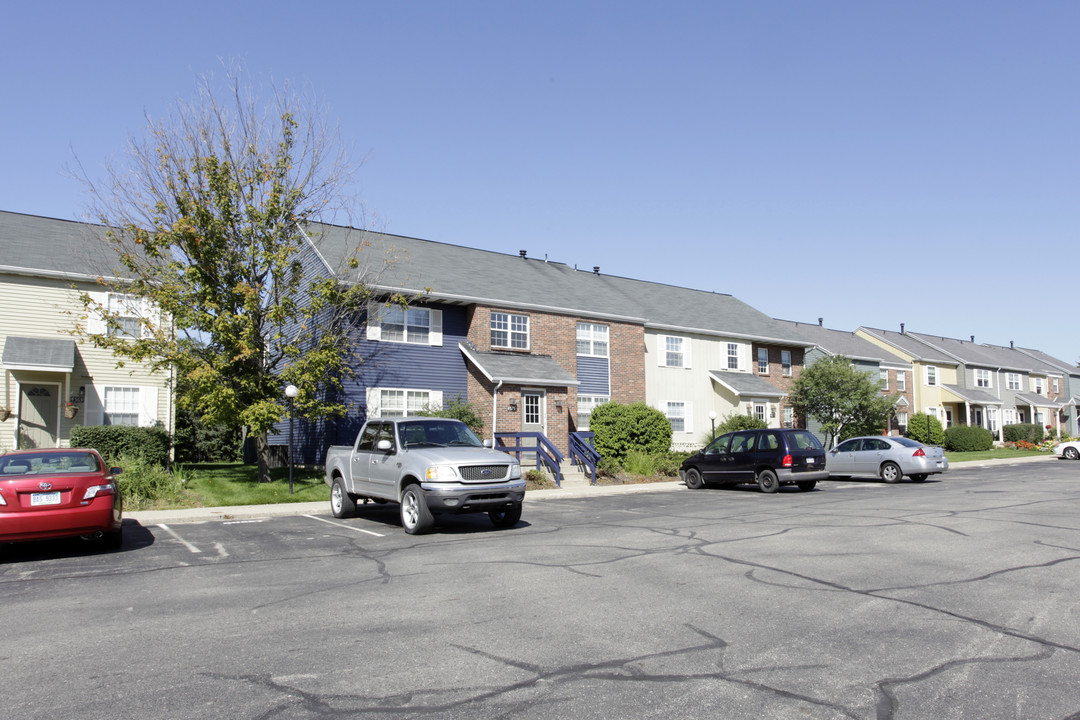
pixel 994 454
pixel 212 485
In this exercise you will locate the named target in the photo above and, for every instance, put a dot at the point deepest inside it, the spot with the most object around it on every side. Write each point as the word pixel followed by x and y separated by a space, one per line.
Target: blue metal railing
pixel 584 454
pixel 534 442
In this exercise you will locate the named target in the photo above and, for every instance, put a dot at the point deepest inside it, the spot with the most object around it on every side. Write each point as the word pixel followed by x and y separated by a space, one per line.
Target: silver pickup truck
pixel 429 465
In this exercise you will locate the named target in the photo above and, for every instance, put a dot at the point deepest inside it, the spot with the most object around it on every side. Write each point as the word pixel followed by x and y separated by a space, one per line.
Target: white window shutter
pixel 94 413
pixel 686 363
pixel 688 424
pixel 373 396
pixel 661 350
pixel 148 396
pixel 95 323
pixel 435 330
pixel 374 328
pixel 435 398
pixel 152 313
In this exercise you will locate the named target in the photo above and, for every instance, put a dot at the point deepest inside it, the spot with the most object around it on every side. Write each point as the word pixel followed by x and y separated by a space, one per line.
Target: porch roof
pixel 41 354
pixel 518 368
pixel 1034 400
pixel 746 384
pixel 972 395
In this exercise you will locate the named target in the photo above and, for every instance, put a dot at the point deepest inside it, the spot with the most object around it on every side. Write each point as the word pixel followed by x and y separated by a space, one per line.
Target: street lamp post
pixel 712 421
pixel 291 391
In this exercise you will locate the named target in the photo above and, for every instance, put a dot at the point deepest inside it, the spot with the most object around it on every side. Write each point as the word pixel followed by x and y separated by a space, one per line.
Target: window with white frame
pixel 399 402
pixel 982 379
pixel 121 406
pixel 585 405
pixel 1008 416
pixel 901 419
pixel 931 375
pixel 592 339
pixel 509 331
pixel 763 361
pixel 675 352
pixel 1040 418
pixel 760 412
pixel 733 356
pixel 883 375
pixel 1056 386
pixel 124 311
pixel 901 380
pixel 1038 384
pixel 991 419
pixel 1012 381
pixel 932 412
pixel 785 362
pixel 406 325
pixel 789 417
pixel 676 415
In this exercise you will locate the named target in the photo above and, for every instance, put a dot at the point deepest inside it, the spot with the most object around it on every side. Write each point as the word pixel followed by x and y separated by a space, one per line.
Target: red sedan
pixel 56 493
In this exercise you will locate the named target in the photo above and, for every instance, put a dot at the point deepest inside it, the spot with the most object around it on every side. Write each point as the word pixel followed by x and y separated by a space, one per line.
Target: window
pixel 901 380
pixel 592 339
pixel 789 417
pixel 585 405
pixel 759 412
pixel 121 406
pixel 676 415
pixel 884 375
pixel 412 325
pixel 1038 383
pixel 509 331
pixel 901 419
pixel 785 362
pixel 1008 416
pixel 931 375
pixel 124 309
pixel 1056 387
pixel 763 361
pixel 1012 381
pixel 733 356
pixel 991 419
pixel 675 352
pixel 932 412
pixel 1040 419
pixel 982 378
pixel 399 402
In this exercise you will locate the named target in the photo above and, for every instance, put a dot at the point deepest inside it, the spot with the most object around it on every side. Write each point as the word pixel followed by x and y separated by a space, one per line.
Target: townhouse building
pixel 1063 380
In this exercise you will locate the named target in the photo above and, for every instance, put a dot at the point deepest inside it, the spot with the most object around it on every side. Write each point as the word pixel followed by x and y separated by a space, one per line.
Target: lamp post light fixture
pixel 291 391
pixel 712 421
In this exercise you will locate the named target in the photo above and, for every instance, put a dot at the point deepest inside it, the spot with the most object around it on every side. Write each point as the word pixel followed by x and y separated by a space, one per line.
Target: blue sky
pixel 870 163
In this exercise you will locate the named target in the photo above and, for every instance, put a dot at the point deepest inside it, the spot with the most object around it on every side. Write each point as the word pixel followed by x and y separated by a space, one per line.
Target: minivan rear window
pixel 805 440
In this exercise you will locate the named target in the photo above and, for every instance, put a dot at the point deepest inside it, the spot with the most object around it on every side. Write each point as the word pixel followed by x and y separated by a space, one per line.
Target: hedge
pixel 1023 431
pixel 150 444
pixel 968 438
pixel 621 429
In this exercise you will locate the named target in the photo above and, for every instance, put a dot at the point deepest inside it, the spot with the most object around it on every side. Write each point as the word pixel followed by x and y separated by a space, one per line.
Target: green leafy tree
pixel 622 429
pixel 731 423
pixel 847 402
pixel 206 216
pixel 457 409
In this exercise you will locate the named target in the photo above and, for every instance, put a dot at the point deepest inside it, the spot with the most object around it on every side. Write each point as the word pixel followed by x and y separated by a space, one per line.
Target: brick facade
pixel 776 376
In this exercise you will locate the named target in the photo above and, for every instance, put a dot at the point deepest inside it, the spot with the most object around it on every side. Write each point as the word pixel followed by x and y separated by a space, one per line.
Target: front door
pixel 39 415
pixel 532 411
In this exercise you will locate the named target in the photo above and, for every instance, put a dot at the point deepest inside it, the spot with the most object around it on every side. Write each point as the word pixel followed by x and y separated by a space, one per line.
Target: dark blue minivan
pixel 771 457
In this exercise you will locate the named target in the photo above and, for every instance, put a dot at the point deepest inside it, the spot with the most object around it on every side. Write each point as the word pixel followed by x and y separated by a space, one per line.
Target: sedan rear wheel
pixel 918 477
pixel 890 472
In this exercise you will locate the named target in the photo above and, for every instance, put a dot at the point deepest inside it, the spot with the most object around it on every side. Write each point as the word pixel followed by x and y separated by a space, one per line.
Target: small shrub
pixel 639 463
pixel 115 441
pixel 608 467
pixel 457 409
pixel 734 422
pixel 926 429
pixel 1029 432
pixel 967 438
pixel 620 429
pixel 668 465
pixel 145 484
pixel 535 479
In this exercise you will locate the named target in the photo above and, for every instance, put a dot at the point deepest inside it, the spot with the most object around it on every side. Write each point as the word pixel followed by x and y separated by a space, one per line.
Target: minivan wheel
pixel 890 472
pixel 767 482
pixel 693 480
pixel 807 486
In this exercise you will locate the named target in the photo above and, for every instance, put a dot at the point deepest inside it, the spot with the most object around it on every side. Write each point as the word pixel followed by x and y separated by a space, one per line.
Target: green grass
pixel 211 485
pixel 995 454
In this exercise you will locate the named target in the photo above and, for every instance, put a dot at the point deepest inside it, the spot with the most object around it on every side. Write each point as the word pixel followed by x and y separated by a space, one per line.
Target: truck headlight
pixel 443 473
pixel 515 471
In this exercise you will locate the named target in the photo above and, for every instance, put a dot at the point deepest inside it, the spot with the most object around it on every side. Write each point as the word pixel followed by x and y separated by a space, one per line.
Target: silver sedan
pixel 889 458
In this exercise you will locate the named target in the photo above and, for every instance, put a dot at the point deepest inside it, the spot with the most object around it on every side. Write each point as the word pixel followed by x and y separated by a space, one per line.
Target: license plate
pixel 49 498
pixel 809 461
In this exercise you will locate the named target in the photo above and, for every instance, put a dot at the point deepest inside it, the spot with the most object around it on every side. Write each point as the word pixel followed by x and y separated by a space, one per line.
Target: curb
pixel 239 513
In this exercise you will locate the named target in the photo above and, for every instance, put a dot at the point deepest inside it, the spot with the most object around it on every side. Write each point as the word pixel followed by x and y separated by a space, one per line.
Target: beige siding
pixel 50 308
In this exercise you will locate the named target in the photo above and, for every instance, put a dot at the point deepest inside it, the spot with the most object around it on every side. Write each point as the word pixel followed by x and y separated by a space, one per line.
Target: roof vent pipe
pixel 595 269
pixel 820 321
pixel 972 338
pixel 522 254
pixel 1011 346
pixel 901 328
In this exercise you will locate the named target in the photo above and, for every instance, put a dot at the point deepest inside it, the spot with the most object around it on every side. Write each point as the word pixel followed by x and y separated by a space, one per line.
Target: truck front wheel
pixel 341 503
pixel 505 518
pixel 415 516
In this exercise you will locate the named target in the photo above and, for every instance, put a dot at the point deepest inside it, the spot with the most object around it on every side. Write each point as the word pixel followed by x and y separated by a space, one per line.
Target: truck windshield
pixel 437 433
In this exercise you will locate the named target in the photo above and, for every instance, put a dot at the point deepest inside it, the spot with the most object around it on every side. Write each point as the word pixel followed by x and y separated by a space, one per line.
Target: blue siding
pixel 594 376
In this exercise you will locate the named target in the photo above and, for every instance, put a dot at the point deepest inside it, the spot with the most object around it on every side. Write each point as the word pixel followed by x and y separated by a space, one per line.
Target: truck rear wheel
pixel 415 516
pixel 505 518
pixel 341 503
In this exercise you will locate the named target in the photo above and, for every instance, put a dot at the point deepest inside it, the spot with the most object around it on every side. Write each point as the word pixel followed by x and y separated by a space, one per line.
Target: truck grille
pixel 482 473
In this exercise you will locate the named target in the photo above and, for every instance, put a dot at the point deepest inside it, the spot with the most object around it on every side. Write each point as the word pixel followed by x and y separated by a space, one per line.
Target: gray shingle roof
pixel 839 342
pixel 519 368
pixel 746 384
pixel 989 356
pixel 33 244
pixel 1058 365
pixel 38 354
pixel 974 395
pixel 911 345
pixel 459 274
pixel 1028 398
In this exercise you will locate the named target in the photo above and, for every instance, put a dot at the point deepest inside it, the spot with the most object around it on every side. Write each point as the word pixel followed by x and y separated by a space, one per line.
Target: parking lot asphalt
pixel 237 512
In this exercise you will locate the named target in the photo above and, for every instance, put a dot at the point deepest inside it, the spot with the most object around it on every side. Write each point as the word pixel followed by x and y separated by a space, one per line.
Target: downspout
pixel 495 411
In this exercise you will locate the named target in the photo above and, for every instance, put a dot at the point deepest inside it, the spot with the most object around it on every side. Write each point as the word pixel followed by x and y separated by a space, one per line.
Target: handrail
pixel 546 453
pixel 583 453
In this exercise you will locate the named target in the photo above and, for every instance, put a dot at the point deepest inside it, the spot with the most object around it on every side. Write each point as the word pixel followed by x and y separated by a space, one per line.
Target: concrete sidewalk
pixel 252 512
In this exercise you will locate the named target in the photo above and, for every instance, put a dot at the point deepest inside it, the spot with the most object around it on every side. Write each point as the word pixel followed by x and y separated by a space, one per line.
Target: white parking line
pixel 347 527
pixel 182 541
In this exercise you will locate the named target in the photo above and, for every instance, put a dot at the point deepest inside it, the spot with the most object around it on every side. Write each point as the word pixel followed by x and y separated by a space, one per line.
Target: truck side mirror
pixel 488 443
pixel 384 446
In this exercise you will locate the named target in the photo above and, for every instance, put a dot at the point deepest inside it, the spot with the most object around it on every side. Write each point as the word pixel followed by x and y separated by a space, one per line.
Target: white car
pixel 1068 450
